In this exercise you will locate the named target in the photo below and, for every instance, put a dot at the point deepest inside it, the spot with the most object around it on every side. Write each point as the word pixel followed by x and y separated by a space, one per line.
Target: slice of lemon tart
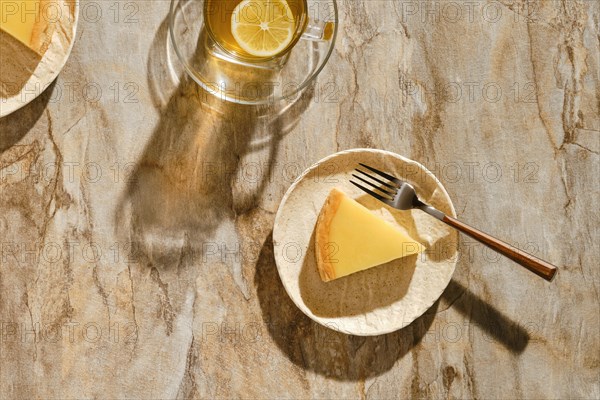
pixel 350 238
pixel 26 28
pixel 28 21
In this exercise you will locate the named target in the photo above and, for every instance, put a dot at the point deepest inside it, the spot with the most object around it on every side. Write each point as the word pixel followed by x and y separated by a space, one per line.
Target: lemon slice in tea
pixel 263 28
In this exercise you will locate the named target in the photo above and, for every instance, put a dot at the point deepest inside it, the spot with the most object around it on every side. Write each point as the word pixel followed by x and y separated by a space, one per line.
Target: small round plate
pixel 53 61
pixel 382 299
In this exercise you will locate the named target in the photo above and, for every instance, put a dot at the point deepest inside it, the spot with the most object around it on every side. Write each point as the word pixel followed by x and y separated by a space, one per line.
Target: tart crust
pixel 43 30
pixel 322 244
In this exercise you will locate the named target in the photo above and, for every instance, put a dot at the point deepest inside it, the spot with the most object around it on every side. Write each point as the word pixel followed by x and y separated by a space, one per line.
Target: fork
pixel 402 196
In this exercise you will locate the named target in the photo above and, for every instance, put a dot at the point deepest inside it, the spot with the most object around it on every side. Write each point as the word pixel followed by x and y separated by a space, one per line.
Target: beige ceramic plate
pixel 54 59
pixel 381 299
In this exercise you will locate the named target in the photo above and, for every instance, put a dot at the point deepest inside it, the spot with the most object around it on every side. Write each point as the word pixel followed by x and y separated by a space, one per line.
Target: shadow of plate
pixel 319 349
pixel 15 126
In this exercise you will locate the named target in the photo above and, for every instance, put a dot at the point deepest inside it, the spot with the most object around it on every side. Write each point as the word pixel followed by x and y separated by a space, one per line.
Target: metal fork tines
pixel 381 190
pixel 386 188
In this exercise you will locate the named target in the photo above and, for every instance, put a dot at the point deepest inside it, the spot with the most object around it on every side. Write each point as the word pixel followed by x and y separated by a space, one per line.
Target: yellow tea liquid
pixel 217 19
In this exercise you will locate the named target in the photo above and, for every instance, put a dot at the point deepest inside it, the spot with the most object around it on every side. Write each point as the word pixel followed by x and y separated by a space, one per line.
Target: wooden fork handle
pixel 532 263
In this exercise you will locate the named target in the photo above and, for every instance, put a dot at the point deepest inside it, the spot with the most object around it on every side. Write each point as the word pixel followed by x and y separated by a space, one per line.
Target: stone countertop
pixel 136 218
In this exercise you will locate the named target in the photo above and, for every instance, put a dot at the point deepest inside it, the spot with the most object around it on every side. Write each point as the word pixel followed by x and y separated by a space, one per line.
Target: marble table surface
pixel 136 217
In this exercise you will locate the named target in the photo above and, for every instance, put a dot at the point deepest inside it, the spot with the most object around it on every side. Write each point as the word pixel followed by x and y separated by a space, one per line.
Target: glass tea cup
pixel 204 38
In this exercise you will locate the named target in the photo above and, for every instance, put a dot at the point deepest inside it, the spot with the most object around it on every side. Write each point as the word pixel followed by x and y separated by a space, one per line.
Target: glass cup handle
pixel 318 30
